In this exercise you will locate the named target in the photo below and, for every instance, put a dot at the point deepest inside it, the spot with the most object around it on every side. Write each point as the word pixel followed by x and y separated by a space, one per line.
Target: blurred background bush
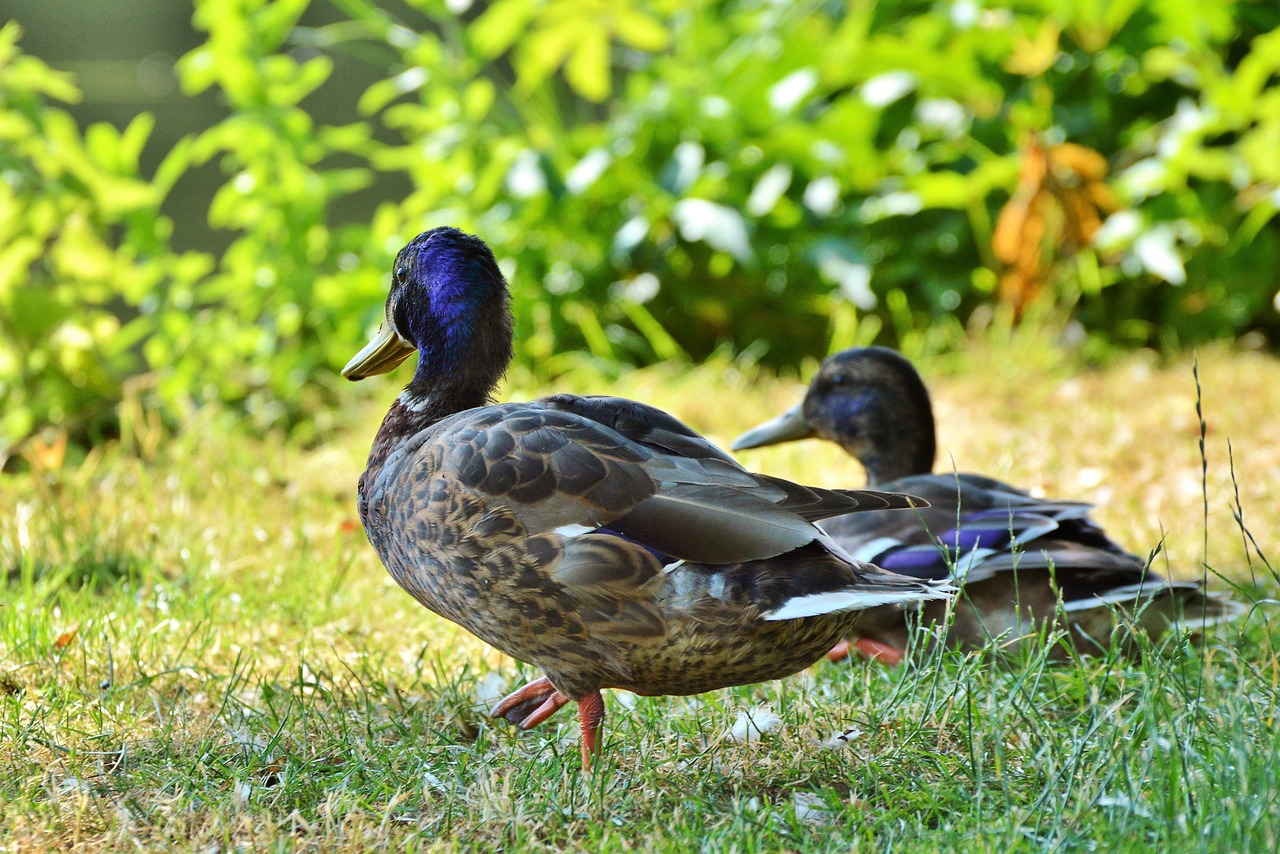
pixel 660 179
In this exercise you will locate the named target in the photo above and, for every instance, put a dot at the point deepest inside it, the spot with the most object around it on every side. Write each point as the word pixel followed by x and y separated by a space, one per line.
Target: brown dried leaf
pixel 1034 167
pixel 1085 162
pixel 1104 197
pixel 1082 220
pixel 1007 236
pixel 1053 212
pixel 270 775
pixel 46 455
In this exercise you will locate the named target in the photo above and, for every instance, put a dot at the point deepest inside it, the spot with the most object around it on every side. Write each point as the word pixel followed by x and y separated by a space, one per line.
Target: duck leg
pixel 590 717
pixel 532 704
pixel 840 651
pixel 872 650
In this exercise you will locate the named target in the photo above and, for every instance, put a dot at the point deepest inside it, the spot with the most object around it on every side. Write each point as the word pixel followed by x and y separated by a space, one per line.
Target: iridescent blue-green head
pixel 449 302
pixel 871 402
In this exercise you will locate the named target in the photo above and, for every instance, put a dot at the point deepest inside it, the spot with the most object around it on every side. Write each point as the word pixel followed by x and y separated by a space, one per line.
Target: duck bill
pixel 382 354
pixel 787 427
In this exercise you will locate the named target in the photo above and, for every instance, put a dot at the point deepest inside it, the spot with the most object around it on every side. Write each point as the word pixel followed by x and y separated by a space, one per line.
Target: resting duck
pixel 597 538
pixel 976 531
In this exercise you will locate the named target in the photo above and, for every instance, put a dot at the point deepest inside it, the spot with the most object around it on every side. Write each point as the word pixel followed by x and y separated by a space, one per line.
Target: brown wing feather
pixel 555 467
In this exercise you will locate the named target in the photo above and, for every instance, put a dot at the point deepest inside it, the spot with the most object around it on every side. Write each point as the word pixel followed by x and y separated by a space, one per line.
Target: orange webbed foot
pixel 532 704
pixel 840 651
pixel 872 650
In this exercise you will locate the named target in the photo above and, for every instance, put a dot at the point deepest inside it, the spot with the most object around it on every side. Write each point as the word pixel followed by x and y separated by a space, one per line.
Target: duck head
pixel 871 402
pixel 450 303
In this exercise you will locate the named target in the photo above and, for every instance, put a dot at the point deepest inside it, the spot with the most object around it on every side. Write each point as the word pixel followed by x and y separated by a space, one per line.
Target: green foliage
pixel 659 179
pixel 292 291
pixel 84 263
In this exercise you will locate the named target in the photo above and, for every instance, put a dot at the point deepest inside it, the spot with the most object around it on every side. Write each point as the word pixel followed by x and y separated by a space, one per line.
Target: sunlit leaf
pixel 944 190
pixel 1156 249
pixel 478 100
pixel 769 189
pixel 541 52
pixel 501 24
pixel 638 30
pixel 1032 56
pixel 29 73
pixel 377 96
pixel 588 67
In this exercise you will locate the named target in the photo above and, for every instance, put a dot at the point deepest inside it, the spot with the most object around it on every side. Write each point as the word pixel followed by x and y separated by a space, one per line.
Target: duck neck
pixel 417 408
pixel 900 440
pixel 907 456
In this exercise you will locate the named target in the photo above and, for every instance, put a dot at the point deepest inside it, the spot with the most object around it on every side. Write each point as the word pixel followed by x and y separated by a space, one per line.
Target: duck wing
pixel 976 526
pixel 661 432
pixel 698 504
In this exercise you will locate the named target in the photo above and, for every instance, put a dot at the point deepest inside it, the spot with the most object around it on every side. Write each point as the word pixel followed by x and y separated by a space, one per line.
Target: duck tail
pixel 1156 607
pixel 874 587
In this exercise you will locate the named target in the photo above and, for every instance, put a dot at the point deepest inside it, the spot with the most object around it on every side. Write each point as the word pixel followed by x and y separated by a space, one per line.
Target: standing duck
pixel 597 538
pixel 1022 561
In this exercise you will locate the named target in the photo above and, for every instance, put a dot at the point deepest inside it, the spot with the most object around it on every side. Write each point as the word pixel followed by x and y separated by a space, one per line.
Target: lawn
pixel 199 649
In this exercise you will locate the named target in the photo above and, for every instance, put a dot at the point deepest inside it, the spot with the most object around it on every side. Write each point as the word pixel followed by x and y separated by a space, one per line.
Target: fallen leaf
pixel 76 785
pixel 1122 802
pixel 270 775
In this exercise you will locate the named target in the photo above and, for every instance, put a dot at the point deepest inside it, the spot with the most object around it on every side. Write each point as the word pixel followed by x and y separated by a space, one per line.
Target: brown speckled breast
pixel 591 611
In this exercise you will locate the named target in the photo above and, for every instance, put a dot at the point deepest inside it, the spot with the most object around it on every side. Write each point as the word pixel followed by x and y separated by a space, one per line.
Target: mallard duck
pixel 597 538
pixel 1023 561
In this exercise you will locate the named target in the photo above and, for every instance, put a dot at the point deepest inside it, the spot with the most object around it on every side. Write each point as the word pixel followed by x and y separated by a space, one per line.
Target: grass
pixel 199 650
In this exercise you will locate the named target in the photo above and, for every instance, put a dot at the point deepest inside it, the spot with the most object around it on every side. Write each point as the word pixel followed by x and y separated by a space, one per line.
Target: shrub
pixel 85 270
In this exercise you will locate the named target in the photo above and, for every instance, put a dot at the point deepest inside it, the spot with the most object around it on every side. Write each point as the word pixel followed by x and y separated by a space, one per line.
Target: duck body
pixel 498 519
pixel 597 538
pixel 1023 563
